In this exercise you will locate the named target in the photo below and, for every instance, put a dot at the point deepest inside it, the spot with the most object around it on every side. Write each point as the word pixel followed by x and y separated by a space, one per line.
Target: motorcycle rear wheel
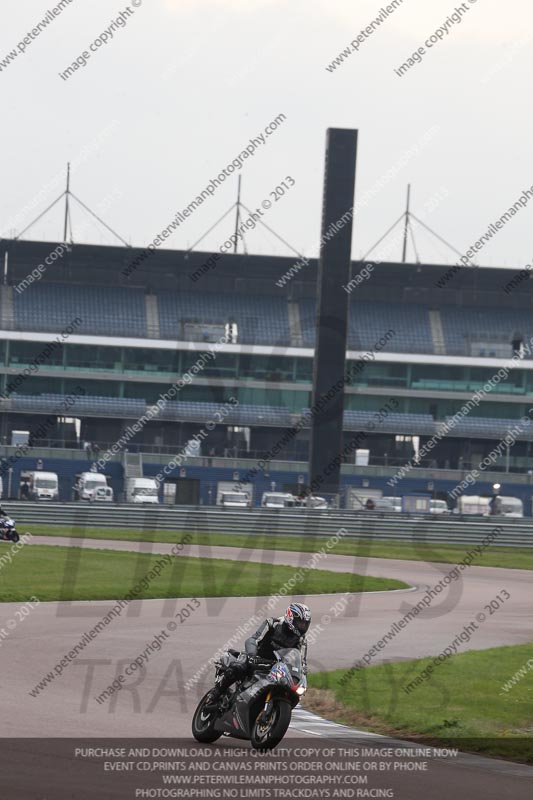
pixel 203 723
pixel 267 735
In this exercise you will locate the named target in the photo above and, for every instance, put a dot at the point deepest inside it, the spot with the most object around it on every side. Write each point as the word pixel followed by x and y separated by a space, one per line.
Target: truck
pixel 234 494
pixel 396 502
pixel 141 490
pixel 39 485
pixel 311 501
pixel 277 500
pixel 235 500
pixel 438 507
pixel 473 505
pixel 505 506
pixel 93 486
pixel 509 507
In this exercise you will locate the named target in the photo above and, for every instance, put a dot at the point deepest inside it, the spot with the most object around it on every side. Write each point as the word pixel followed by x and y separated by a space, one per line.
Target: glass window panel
pixel 144 359
pixel 304 369
pixel 23 353
pixel 266 368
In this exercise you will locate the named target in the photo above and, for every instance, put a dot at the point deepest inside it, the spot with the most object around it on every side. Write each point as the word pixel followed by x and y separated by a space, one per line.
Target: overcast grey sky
pixel 182 87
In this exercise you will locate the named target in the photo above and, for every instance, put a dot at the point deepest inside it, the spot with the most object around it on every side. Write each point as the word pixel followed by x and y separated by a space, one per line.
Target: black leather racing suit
pixel 273 634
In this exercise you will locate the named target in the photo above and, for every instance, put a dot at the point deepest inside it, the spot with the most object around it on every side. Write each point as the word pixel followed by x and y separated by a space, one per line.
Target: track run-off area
pixel 159 697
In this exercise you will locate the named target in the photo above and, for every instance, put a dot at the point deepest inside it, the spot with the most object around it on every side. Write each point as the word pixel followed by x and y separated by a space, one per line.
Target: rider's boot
pixel 219 690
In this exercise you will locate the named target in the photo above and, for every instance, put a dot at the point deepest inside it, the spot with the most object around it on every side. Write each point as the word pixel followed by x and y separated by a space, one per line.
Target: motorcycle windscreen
pixel 292 657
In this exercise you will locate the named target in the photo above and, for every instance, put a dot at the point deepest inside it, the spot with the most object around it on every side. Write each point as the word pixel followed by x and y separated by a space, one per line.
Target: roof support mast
pixel 238 215
pixel 406 225
pixel 67 193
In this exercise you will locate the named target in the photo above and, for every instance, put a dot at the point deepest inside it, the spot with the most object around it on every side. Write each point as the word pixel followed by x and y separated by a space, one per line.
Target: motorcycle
pixel 8 531
pixel 259 708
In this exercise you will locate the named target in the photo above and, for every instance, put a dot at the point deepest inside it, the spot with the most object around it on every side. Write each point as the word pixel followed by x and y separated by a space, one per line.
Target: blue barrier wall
pixel 209 477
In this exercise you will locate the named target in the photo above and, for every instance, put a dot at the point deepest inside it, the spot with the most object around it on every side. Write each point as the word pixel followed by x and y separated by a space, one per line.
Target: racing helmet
pixel 298 618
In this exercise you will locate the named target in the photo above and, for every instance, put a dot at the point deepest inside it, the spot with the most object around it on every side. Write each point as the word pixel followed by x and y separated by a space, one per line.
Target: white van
pixel 438 507
pixel 396 503
pixel 311 501
pixel 510 507
pixel 234 494
pixel 41 485
pixel 277 500
pixel 314 501
pixel 141 490
pixel 93 486
pixel 234 500
pixel 473 504
pixel 505 506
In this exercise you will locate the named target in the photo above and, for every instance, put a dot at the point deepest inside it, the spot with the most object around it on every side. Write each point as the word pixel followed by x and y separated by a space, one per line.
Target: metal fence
pixel 450 529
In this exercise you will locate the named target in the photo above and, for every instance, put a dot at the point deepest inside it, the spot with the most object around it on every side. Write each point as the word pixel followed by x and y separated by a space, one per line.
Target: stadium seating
pixel 268 416
pixel 263 415
pixel 420 424
pixel 467 329
pixel 130 408
pixel 396 423
pixel 264 319
pixel 368 322
pixel 260 320
pixel 110 310
pixel 240 415
pixel 490 428
pixel 133 408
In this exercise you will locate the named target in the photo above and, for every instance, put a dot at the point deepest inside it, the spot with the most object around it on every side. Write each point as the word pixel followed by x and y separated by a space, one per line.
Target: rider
pixel 273 634
pixel 3 515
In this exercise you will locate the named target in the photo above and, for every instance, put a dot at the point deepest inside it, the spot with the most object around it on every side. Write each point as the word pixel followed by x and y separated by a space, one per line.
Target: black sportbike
pixel 259 708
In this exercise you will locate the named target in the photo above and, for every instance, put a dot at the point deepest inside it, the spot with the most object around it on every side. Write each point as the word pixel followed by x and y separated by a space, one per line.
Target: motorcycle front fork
pixel 267 709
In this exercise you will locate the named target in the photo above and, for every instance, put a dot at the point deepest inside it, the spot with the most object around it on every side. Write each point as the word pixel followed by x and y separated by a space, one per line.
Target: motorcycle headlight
pixel 301 690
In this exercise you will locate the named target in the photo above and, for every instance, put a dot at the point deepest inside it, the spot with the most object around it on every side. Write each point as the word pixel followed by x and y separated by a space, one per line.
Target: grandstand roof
pixel 412 283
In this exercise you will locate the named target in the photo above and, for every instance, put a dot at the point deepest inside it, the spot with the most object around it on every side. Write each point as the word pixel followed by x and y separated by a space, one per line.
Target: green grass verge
pixel 463 702
pixel 510 557
pixel 71 573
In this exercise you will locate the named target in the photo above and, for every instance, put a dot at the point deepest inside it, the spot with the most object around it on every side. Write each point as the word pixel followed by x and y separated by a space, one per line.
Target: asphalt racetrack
pixel 155 701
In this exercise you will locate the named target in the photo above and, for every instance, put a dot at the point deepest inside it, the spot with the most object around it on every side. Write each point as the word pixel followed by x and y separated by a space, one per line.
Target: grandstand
pixel 137 335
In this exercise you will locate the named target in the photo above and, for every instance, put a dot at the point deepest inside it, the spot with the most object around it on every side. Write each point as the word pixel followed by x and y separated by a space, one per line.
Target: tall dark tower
pixel 332 310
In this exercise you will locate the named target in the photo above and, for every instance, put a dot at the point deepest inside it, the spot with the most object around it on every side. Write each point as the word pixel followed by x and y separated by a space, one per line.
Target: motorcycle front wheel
pixel 267 733
pixel 203 723
pixel 14 537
